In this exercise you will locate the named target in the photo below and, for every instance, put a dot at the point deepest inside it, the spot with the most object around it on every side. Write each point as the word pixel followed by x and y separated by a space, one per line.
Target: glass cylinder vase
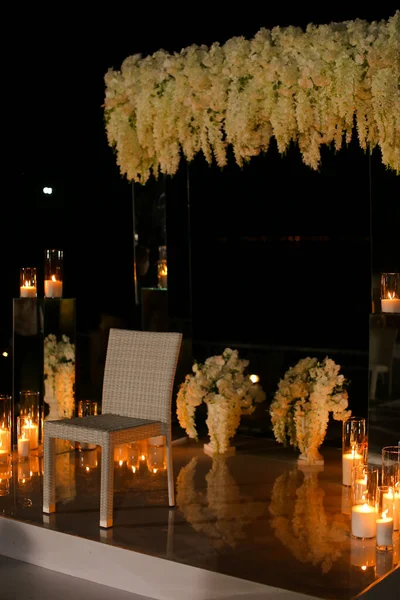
pixel 29 415
pixel 5 427
pixel 27 282
pixel 385 519
pixel 162 269
pixel 363 514
pixel 354 447
pixel 390 292
pixel 391 478
pixel 53 273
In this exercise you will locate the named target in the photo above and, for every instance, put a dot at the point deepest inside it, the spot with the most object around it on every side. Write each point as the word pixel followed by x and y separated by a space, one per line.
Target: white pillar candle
pixel 27 291
pixel 349 460
pixel 363 521
pixel 391 305
pixel 384 531
pixel 389 503
pixel 23 448
pixel 52 288
pixel 31 432
pixel 5 440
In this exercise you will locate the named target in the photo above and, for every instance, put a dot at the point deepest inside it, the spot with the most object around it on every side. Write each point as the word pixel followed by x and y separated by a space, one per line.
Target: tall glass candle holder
pixel 53 273
pixel 391 466
pixel 27 282
pixel 29 415
pixel 385 519
pixel 363 515
pixel 390 292
pixel 5 427
pixel 162 269
pixel 354 447
pixel 87 408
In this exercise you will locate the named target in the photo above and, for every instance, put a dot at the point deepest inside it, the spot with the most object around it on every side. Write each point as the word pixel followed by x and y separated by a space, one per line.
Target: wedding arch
pixel 312 87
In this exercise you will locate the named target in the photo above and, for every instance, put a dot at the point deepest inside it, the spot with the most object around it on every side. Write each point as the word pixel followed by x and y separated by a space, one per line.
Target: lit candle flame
pixel 254 378
pixel 364 567
pixel 133 469
pixel 154 470
pixel 53 278
pixel 143 457
pixel 121 462
pixel 30 473
pixel 384 514
pixel 87 468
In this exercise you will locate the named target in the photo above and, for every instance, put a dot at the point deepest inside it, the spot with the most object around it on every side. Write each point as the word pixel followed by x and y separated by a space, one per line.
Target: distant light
pixel 47 190
pixel 5 354
pixel 364 567
pixel 254 378
pixel 87 468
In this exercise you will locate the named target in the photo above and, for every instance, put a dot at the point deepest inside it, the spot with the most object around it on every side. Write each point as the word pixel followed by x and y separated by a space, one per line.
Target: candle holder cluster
pixel 375 510
pixel 29 424
pixel 53 277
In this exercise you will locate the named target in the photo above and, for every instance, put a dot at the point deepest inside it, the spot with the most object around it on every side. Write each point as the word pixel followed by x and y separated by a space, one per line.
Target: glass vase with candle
pixel 354 447
pixel 86 408
pixel 390 292
pixel 5 427
pixel 385 519
pixel 53 273
pixel 363 514
pixel 29 413
pixel 27 282
pixel 162 269
pixel 23 443
pixel 391 465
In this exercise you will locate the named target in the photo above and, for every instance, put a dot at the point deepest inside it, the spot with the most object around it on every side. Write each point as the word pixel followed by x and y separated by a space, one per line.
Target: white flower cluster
pixel 309 87
pixel 220 383
pixel 305 397
pixel 59 372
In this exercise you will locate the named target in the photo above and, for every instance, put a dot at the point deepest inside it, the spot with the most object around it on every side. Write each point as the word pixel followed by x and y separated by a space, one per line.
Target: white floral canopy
pixel 309 87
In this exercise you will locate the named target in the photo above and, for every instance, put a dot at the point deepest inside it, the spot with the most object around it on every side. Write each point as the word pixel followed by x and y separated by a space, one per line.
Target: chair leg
pixel 49 478
pixel 170 472
pixel 107 486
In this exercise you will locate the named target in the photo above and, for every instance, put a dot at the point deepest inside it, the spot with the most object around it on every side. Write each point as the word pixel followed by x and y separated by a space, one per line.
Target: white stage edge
pixel 126 570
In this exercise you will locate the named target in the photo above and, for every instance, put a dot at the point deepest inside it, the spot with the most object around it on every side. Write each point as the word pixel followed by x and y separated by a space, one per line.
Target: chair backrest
pixel 139 374
pixel 382 346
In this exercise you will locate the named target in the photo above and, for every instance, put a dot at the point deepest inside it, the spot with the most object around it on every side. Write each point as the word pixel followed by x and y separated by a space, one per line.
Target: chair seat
pixel 379 368
pixel 99 428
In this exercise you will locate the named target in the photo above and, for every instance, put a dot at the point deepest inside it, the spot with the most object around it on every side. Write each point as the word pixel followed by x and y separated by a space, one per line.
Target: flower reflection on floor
pixel 302 524
pixel 221 512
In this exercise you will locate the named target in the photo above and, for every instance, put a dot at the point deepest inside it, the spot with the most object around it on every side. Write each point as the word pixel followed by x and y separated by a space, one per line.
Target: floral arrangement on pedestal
pixel 307 394
pixel 59 373
pixel 312 88
pixel 221 383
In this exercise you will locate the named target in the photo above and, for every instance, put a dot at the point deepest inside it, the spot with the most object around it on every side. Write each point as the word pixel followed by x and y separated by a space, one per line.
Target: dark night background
pixel 281 256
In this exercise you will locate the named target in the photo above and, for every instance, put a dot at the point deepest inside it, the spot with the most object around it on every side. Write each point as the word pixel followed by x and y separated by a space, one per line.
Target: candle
pixel 384 531
pixel 24 447
pixel 31 432
pixel 52 288
pixel 27 290
pixel 3 456
pixel 363 521
pixel 391 304
pixel 349 460
pixel 5 440
pixel 389 502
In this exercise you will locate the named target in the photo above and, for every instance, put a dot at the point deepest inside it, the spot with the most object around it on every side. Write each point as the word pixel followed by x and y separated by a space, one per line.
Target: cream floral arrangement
pixel 309 87
pixel 222 384
pixel 307 394
pixel 59 372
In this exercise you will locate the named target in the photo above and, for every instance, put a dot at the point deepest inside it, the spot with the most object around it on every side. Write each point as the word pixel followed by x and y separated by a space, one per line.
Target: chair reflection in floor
pixel 137 392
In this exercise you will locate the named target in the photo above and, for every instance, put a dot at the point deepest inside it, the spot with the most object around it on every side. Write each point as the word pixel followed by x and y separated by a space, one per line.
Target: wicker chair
pixel 137 391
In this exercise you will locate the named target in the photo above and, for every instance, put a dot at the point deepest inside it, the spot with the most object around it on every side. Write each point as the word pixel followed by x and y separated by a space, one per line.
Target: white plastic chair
pixel 137 393
pixel 382 347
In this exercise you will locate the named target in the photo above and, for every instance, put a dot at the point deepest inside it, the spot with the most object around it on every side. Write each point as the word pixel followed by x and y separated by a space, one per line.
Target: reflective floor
pixel 255 515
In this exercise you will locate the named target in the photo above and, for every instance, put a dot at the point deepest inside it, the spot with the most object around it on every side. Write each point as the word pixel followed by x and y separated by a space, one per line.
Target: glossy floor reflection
pixel 255 515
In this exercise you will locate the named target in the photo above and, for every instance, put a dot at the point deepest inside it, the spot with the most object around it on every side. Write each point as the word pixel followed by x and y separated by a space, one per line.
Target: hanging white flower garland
pixel 307 87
